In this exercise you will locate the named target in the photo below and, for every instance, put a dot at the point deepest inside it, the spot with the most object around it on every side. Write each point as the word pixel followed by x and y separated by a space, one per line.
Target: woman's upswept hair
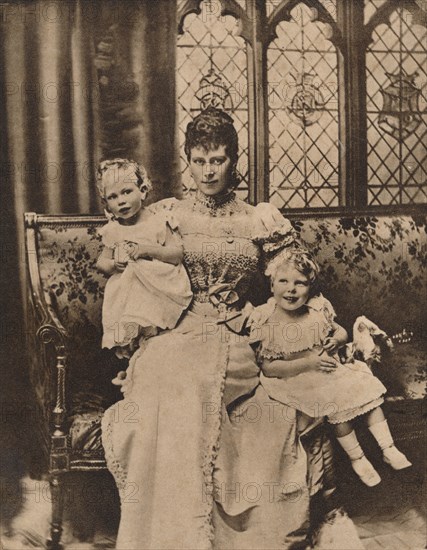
pixel 143 181
pixel 302 260
pixel 210 129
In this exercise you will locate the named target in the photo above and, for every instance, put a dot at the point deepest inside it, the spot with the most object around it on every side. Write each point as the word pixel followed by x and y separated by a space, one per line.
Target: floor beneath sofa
pixel 390 516
pixel 404 531
pixel 393 514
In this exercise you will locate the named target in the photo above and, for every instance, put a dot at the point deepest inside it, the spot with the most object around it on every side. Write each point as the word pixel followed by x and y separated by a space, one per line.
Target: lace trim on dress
pixel 280 238
pixel 218 205
pixel 345 416
pixel 110 417
pixel 276 234
pixel 211 446
pixel 274 352
pixel 119 473
pixel 293 337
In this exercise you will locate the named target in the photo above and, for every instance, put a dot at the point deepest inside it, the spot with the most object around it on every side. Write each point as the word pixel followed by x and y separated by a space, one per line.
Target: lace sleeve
pixel 258 318
pixel 275 231
pixel 164 205
pixel 168 230
pixel 328 311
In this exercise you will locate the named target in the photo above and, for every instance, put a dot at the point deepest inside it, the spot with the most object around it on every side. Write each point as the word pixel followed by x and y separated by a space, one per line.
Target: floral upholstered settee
pixel 371 265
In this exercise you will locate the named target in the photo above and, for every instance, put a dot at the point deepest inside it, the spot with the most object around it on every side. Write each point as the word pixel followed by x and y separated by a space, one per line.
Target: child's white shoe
pixel 391 454
pixel 394 458
pixel 366 471
pixel 359 462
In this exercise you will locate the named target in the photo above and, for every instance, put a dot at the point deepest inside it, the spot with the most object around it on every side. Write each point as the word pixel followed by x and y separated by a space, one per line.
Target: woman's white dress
pixel 193 467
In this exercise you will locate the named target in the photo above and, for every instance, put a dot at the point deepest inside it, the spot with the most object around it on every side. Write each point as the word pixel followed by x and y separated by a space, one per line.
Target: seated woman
pixel 195 468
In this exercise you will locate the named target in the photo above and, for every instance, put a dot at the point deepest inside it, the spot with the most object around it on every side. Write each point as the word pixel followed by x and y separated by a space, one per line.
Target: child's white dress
pixel 148 292
pixel 349 391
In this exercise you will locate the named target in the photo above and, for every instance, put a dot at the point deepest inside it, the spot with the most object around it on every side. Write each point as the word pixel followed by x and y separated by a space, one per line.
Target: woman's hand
pixel 169 254
pixel 137 250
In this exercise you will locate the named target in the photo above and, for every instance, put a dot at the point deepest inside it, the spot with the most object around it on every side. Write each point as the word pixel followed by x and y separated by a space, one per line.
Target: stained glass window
pixel 305 129
pixel 209 49
pixel 396 67
pixel 303 114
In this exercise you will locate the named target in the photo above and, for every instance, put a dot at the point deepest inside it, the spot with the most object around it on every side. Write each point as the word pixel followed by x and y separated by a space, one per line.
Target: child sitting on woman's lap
pixel 148 287
pixel 299 340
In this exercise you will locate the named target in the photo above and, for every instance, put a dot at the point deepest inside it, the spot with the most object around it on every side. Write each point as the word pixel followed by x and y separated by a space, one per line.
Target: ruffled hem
pixel 110 418
pixel 277 353
pixel 345 416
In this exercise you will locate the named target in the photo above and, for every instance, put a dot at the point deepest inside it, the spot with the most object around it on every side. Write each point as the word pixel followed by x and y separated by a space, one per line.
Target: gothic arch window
pixel 303 113
pixel 396 72
pixel 328 96
pixel 211 68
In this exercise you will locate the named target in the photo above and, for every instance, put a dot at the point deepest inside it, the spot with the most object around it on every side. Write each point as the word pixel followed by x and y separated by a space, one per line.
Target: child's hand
pixel 121 256
pixel 331 345
pixel 121 380
pixel 322 363
pixel 119 266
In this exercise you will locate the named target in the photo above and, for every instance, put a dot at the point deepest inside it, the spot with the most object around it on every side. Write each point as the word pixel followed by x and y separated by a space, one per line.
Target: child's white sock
pixel 359 462
pixel 391 454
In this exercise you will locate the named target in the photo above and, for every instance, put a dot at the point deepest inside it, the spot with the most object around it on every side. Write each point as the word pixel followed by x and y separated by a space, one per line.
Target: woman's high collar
pixel 217 205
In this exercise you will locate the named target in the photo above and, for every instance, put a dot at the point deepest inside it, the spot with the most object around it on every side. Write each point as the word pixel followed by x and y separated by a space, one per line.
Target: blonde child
pixel 148 287
pixel 299 339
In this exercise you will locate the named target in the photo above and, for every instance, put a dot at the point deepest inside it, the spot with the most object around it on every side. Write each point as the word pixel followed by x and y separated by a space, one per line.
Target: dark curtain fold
pixel 79 81
pixel 135 60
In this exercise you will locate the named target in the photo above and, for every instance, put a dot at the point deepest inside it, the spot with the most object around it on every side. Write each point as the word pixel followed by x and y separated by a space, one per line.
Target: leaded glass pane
pixel 303 114
pixel 371 7
pixel 210 43
pixel 396 66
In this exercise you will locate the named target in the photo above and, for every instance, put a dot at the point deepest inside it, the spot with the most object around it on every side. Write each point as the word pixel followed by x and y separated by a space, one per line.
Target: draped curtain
pixel 79 81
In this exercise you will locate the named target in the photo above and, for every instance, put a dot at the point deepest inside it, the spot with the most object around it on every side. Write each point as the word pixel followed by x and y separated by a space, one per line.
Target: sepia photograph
pixel 213 274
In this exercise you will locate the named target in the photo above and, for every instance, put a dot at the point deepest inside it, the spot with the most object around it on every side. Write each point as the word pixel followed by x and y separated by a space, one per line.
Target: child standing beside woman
pixel 148 287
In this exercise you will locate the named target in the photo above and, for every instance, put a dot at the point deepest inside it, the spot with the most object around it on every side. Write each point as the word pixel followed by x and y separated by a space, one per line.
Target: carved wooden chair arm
pixel 53 337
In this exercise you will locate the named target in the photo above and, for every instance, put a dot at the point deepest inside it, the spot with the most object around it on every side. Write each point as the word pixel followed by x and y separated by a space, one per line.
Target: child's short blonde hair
pixel 301 259
pixel 143 181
